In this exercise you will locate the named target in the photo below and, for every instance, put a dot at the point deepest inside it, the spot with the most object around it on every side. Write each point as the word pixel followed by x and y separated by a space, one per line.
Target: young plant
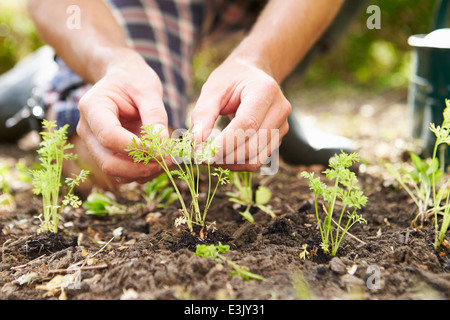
pixel 216 252
pixel 418 182
pixel 247 197
pixel 187 156
pixel 98 204
pixel 430 196
pixel 442 134
pixel 6 197
pixel 344 189
pixel 47 180
pixel 157 193
pixel 4 176
pixel 23 172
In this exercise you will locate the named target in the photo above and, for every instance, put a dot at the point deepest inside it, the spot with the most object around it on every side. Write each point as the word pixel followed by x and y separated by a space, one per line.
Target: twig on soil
pixel 26 264
pixel 348 233
pixel 104 246
pixel 83 262
pixel 82 268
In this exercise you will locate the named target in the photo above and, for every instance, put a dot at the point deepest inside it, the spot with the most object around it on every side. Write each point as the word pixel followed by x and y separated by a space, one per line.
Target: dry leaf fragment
pixel 26 278
pixel 58 283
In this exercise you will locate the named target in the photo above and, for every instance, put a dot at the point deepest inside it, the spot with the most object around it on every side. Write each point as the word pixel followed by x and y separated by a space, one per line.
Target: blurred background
pixel 369 59
pixel 361 83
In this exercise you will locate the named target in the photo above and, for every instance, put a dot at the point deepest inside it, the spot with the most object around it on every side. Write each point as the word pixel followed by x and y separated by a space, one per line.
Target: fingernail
pixel 160 128
pixel 196 128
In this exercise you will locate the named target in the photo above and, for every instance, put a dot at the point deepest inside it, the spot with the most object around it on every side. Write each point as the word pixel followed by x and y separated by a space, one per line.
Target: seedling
pixel 304 253
pixel 157 193
pixel 344 189
pixel 418 182
pixel 98 204
pixel 6 198
pixel 4 174
pixel 216 252
pixel 187 156
pixel 442 138
pixel 246 197
pixel 430 197
pixel 47 180
pixel 23 173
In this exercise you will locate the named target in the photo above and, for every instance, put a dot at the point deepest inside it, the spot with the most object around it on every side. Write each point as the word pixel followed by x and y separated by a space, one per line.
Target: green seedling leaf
pixel 211 251
pixel 242 181
pixel 216 252
pixel 263 195
pixel 247 215
pixel 244 273
pixel 96 203
pixel 158 194
pixel 99 204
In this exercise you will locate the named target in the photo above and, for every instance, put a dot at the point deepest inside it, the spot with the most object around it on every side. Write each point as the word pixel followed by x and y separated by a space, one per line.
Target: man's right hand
pixel 113 112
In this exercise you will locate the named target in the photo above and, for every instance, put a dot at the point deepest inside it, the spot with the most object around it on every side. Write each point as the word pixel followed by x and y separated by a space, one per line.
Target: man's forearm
pixel 89 50
pixel 284 32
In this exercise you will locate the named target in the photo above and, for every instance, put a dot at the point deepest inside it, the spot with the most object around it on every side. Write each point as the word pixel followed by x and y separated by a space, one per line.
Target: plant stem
pixel 337 230
pixel 329 232
pixel 163 164
pixel 317 215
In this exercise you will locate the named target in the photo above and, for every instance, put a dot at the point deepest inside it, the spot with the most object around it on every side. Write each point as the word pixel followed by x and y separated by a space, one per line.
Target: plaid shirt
pixel 167 34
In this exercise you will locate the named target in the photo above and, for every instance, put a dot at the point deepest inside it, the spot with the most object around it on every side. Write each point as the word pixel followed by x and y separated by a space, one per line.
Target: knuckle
pixel 287 107
pixel 106 167
pixel 104 138
pixel 83 103
pixel 251 122
pixel 284 130
pixel 270 85
pixel 79 129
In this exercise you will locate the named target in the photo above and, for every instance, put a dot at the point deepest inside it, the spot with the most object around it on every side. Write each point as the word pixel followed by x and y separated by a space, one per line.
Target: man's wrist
pixel 253 58
pixel 111 59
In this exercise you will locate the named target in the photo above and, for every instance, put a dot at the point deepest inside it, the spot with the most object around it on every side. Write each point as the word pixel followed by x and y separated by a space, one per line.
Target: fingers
pixel 256 130
pixel 100 118
pixel 152 111
pixel 206 112
pixel 109 121
pixel 254 152
pixel 116 164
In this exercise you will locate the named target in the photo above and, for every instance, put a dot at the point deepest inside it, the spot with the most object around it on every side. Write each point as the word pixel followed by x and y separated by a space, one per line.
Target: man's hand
pixel 246 85
pixel 256 106
pixel 113 112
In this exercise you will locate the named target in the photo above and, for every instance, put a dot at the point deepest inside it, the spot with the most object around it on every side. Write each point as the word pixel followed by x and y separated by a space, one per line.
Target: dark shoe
pixel 21 110
pixel 307 148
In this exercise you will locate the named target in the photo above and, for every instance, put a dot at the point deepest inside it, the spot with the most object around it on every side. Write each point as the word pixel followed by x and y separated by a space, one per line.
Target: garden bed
pixel 142 255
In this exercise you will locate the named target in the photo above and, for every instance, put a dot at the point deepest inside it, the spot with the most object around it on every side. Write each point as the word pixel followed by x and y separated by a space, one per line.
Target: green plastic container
pixel 430 80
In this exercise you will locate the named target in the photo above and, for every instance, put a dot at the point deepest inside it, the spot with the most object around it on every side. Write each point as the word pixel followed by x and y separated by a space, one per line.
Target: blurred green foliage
pixel 380 58
pixel 375 59
pixel 18 36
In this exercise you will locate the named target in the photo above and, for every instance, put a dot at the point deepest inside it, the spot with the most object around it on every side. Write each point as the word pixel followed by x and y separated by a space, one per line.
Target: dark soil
pixel 143 256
